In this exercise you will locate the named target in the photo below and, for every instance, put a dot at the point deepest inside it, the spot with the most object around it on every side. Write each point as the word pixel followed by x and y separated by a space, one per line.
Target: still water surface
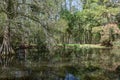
pixel 84 64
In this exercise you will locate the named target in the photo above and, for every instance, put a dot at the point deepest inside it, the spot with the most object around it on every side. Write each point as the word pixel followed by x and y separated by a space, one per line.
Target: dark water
pixel 84 64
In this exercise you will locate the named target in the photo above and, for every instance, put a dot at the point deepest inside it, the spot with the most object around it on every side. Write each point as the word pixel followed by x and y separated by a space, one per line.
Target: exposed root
pixel 6 48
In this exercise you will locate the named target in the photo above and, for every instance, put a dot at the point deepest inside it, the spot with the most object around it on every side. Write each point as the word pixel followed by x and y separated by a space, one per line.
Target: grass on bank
pixel 83 45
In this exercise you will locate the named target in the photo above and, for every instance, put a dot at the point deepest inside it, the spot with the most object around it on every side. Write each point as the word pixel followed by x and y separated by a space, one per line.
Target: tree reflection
pixel 6 61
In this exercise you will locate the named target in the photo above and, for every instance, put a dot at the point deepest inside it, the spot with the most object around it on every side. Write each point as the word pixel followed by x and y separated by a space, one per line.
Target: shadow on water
pixel 79 64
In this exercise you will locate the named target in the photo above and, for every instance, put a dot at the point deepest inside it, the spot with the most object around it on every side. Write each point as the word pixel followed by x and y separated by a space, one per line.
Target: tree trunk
pixel 6 47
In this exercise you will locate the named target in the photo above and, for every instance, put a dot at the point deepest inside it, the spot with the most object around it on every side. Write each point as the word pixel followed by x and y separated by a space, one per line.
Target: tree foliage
pixel 55 21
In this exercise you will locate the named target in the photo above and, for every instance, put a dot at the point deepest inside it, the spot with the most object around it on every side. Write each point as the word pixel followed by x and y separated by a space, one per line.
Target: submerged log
pixel 26 46
pixel 107 43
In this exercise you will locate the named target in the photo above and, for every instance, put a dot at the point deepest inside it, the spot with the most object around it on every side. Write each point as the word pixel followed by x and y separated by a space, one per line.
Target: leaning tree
pixel 7 7
pixel 35 10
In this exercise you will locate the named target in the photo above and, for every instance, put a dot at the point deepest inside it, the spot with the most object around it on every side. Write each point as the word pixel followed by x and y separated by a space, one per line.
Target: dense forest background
pixel 45 23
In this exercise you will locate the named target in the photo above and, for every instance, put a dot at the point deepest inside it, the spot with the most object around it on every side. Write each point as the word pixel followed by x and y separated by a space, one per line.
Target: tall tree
pixel 9 9
pixel 36 11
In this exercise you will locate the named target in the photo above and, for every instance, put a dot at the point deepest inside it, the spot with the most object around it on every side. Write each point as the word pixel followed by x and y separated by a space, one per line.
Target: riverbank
pixel 83 45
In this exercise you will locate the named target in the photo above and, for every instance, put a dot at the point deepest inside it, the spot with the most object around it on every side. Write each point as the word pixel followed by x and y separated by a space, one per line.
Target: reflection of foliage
pixel 118 19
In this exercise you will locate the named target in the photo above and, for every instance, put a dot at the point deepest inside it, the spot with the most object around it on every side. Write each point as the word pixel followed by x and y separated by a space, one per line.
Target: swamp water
pixel 85 64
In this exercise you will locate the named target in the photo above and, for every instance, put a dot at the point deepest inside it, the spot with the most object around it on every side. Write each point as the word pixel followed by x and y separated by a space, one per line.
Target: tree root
pixel 6 48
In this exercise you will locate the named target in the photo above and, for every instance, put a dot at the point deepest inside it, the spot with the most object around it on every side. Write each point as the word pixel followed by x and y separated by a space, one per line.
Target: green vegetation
pixel 52 22
pixel 62 30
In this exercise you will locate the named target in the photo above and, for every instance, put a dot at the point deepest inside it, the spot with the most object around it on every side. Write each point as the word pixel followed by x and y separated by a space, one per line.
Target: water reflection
pixel 5 60
pixel 84 64
pixel 12 68
pixel 70 77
